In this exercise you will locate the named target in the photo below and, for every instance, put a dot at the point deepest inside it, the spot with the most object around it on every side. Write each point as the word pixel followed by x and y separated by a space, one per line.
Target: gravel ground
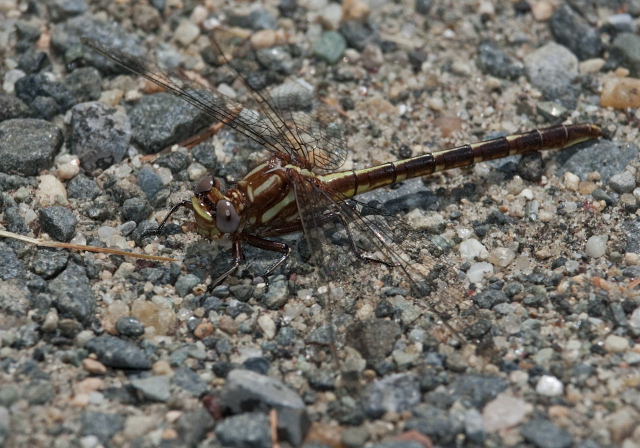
pixel 100 350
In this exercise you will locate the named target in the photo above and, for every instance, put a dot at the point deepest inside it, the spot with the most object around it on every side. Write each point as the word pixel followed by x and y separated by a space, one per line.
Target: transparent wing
pixel 218 106
pixel 308 125
pixel 424 266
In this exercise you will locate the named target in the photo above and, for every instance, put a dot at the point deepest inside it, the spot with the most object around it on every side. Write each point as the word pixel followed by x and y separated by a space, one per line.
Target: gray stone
pixel 59 222
pixel 49 262
pixel 117 353
pixel 622 182
pixel 606 157
pixel 625 52
pixel 544 434
pixel 374 339
pixel 250 430
pixel 153 388
pixel 12 107
pixel 249 391
pixel 28 145
pixel 187 379
pixel 72 294
pixel 100 135
pixel 571 30
pixel 136 209
pixel 101 425
pixel 82 187
pixel 330 47
pixel 396 393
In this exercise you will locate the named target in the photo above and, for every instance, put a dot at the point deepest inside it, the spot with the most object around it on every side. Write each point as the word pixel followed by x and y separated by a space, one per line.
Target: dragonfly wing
pixel 213 103
pixel 424 266
pixel 306 125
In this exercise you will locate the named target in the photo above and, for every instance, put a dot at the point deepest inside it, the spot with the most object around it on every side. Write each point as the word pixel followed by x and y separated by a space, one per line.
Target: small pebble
pixel 473 249
pixel 203 330
pixel 479 271
pixel 571 181
pixel 186 32
pixel 623 182
pixel 93 366
pixel 615 344
pixel 596 246
pixel 505 411
pixel 620 93
pixel 541 10
pixel 549 386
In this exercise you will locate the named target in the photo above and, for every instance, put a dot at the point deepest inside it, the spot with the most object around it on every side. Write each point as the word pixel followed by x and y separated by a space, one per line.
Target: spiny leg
pixel 274 246
pixel 174 209
pixel 238 257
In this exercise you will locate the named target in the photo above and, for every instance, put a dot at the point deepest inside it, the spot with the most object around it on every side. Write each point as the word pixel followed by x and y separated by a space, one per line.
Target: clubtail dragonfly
pixel 299 187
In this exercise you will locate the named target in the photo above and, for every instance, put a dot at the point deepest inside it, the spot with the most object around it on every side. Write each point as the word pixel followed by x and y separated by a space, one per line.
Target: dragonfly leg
pixel 238 257
pixel 174 209
pixel 274 246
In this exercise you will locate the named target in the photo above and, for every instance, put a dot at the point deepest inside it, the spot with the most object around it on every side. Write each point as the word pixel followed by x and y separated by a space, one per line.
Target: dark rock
pixel 250 430
pixel 477 390
pixel 204 154
pixel 100 135
pixel 66 38
pixel 11 267
pixel 49 262
pixel 374 339
pixel 101 425
pixel 530 167
pixel 153 388
pixel 129 326
pixel 359 34
pixel 160 120
pixel 488 298
pixel 175 161
pixel 82 187
pixel 59 222
pixel 571 30
pixel 493 60
pixel 293 425
pixel 61 10
pixel 277 295
pixel 32 87
pixel 84 84
pixel 396 393
pixel 606 157
pixel 186 283
pixel 12 107
pixel 257 364
pixel 625 52
pixel 118 353
pixel 247 391
pixel 28 145
pixel 423 6
pixel 34 61
pixel 136 210
pixel 544 434
pixel 190 381
pixel 72 294
pixel 321 379
pixel 149 181
pixel 435 423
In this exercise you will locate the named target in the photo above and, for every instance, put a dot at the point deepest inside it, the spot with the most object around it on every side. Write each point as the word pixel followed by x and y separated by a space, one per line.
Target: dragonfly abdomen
pixel 351 183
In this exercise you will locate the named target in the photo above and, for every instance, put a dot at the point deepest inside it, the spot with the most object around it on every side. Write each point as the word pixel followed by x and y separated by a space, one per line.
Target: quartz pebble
pixel 505 411
pixel 549 386
pixel 472 249
pixel 615 344
pixel 596 246
pixel 620 93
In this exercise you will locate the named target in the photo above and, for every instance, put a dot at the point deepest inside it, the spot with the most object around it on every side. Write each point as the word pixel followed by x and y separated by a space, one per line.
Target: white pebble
pixel 549 386
pixel 186 32
pixel 501 256
pixel 267 325
pixel 50 190
pixel 634 321
pixel 596 246
pixel 615 344
pixel 479 271
pixel 196 171
pixel 473 249
pixel 571 181
pixel 504 412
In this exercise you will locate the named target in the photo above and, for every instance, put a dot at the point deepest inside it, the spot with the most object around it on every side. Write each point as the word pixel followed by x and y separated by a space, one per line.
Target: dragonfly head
pixel 215 214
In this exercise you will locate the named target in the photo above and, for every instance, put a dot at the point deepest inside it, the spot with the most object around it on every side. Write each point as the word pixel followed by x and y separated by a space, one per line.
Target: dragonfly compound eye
pixel 204 185
pixel 227 219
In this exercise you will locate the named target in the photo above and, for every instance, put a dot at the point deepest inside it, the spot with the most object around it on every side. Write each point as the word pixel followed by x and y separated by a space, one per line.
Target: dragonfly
pixel 300 188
